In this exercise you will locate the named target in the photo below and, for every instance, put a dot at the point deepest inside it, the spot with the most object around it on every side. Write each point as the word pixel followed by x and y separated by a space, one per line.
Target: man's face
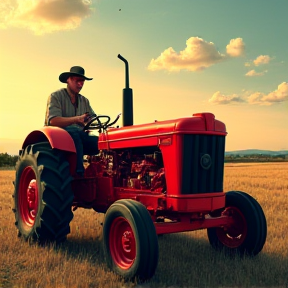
pixel 75 83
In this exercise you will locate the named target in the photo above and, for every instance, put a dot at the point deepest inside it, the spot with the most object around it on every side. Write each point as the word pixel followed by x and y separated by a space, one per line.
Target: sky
pixel 226 57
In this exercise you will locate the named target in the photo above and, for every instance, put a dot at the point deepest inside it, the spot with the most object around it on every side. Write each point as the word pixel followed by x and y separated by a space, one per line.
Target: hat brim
pixel 64 76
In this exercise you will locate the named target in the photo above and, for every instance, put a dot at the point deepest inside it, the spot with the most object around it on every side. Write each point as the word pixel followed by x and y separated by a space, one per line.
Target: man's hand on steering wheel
pixel 82 119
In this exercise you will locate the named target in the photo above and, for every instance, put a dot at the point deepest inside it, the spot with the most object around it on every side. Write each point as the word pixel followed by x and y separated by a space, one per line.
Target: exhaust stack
pixel 127 100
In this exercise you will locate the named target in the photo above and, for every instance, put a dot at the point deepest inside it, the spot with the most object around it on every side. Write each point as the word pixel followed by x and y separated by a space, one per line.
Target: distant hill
pixel 256 151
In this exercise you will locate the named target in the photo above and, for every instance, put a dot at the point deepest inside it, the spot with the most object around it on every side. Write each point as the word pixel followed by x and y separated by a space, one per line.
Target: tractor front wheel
pixel 130 240
pixel 247 234
pixel 42 194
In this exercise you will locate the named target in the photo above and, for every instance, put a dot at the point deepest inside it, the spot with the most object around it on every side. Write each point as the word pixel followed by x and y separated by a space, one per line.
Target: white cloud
pixel 44 16
pixel 219 98
pixel 278 96
pixel 198 55
pixel 262 59
pixel 236 47
pixel 252 73
pixel 255 98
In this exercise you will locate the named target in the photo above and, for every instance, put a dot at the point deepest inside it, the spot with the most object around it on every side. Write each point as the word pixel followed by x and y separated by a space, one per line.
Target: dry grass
pixel 185 260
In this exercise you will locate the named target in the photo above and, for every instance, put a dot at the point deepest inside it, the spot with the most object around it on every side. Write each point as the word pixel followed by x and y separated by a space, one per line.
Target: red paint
pixel 234 235
pixel 122 243
pixel 151 133
pixel 58 139
pixel 28 196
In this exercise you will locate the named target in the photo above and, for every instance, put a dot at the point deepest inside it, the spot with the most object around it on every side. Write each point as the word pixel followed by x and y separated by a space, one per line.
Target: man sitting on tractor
pixel 68 109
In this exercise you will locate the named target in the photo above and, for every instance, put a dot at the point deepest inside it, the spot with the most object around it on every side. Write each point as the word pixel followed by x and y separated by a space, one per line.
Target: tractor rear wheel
pixel 248 233
pixel 42 194
pixel 130 240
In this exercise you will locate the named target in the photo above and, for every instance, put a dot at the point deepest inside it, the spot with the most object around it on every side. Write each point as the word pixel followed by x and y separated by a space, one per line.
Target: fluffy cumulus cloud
pixel 262 59
pixel 219 98
pixel 252 73
pixel 198 55
pixel 236 47
pixel 255 98
pixel 278 96
pixel 44 16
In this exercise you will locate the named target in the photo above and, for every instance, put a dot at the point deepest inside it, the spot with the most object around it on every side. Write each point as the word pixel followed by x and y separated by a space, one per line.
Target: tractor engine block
pixel 130 169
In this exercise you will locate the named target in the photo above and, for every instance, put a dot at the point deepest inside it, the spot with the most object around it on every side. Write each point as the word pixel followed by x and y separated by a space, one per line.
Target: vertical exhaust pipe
pixel 127 100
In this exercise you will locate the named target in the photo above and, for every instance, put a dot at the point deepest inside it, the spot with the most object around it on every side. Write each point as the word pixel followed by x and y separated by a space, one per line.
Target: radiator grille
pixel 197 179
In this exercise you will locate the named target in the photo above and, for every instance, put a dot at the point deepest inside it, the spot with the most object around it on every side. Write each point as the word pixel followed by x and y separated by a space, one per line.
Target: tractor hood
pixel 150 134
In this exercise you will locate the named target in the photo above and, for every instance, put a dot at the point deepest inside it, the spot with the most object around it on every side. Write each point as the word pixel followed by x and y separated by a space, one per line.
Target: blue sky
pixel 229 58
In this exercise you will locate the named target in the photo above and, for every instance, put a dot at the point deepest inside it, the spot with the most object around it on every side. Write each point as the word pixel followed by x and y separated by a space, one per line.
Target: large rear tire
pixel 130 240
pixel 42 194
pixel 248 233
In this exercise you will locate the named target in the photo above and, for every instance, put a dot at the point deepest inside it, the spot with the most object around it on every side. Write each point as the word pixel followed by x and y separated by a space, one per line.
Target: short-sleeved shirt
pixel 59 105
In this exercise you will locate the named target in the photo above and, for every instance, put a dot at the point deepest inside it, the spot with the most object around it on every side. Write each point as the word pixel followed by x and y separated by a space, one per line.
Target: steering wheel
pixel 101 126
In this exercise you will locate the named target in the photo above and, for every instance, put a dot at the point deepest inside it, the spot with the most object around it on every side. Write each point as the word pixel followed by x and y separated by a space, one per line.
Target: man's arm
pixel 67 121
pixel 54 112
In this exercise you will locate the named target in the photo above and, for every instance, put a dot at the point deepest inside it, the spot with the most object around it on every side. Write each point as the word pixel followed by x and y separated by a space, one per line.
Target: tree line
pixel 7 160
pixel 256 158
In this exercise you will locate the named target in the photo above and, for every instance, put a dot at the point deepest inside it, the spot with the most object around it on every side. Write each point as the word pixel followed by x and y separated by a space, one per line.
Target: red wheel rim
pixel 122 243
pixel 234 235
pixel 28 196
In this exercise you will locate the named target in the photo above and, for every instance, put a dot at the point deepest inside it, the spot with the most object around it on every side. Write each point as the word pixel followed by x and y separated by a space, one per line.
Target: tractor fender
pixel 58 139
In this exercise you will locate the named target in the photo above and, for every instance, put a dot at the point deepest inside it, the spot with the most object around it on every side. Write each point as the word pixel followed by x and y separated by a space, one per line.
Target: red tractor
pixel 149 179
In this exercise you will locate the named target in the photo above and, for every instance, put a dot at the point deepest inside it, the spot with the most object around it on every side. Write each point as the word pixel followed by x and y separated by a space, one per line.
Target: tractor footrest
pixel 84 189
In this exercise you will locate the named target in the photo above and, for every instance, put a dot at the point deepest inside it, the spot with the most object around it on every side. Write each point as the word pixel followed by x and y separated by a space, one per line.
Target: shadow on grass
pixel 185 261
pixel 84 249
pixel 191 262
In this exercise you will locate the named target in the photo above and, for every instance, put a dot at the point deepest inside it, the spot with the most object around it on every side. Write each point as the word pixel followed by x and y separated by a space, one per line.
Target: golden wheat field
pixel 185 259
